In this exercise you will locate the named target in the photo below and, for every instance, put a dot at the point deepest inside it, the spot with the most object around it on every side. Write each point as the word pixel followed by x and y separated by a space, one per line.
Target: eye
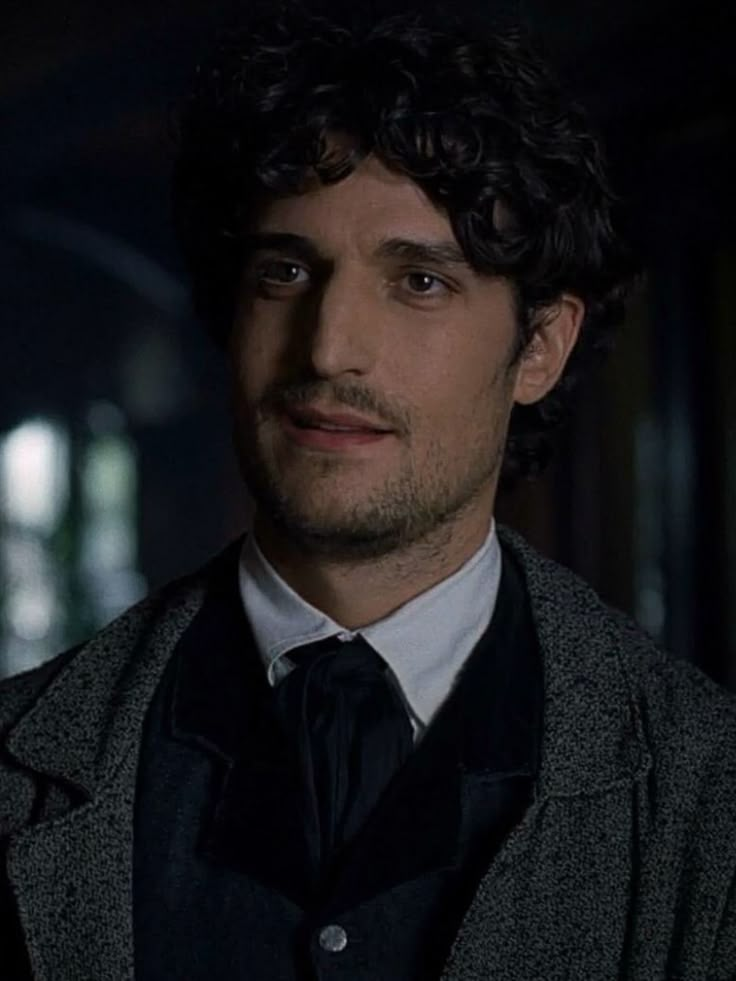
pixel 425 284
pixel 281 272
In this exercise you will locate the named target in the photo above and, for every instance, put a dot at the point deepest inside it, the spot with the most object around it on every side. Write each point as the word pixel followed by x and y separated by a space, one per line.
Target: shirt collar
pixel 425 642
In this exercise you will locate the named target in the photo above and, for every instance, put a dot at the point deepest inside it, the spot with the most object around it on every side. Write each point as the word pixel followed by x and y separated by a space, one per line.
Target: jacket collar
pixel 80 728
pixel 593 737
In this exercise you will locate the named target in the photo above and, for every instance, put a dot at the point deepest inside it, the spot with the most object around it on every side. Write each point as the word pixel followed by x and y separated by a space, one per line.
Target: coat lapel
pixel 72 882
pixel 555 901
pixel 70 869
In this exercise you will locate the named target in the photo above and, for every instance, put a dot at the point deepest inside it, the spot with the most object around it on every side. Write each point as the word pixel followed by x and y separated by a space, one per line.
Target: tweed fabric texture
pixel 623 867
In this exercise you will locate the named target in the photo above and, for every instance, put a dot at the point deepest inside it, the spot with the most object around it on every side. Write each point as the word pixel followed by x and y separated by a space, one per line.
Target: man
pixel 379 737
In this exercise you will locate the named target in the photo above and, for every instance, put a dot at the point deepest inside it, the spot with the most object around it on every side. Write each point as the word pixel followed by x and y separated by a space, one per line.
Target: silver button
pixel 333 938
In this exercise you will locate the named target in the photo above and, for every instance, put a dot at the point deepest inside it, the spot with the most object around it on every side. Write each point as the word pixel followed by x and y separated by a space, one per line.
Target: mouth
pixel 303 423
pixel 327 436
pixel 312 417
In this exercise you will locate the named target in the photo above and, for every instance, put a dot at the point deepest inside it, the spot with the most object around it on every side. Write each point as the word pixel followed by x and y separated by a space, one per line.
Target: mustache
pixel 283 397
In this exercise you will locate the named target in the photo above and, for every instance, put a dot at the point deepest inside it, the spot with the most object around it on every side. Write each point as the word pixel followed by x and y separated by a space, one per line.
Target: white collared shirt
pixel 425 642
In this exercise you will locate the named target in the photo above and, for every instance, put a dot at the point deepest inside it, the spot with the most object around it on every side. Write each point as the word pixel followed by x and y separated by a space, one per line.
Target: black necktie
pixel 351 733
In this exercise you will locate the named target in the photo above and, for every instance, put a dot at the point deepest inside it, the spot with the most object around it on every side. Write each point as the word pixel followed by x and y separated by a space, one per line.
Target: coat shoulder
pixel 688 718
pixel 680 708
pixel 20 691
pixel 116 645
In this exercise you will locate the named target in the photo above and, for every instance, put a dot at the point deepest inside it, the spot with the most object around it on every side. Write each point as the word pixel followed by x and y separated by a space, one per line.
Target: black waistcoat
pixel 221 890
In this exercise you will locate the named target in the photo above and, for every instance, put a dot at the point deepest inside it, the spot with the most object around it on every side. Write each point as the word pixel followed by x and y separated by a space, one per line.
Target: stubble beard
pixel 403 512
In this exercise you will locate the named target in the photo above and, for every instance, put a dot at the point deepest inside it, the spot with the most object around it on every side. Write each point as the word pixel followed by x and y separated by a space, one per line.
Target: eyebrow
pixel 409 250
pixel 436 253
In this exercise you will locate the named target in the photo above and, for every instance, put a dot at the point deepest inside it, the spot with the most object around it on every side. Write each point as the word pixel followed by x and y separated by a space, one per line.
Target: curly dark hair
pixel 474 118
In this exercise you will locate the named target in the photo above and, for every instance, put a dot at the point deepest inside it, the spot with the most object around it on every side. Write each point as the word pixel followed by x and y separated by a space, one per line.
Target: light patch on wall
pixel 34 475
pixel 109 535
pixel 34 495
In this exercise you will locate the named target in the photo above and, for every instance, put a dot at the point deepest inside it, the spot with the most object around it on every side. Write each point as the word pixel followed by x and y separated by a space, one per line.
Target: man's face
pixel 345 307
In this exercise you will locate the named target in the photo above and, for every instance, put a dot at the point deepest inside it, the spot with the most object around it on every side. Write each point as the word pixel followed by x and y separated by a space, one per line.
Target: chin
pixel 327 533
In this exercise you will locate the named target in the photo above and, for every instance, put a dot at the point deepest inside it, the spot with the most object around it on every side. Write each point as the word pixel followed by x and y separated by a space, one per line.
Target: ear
pixel 544 358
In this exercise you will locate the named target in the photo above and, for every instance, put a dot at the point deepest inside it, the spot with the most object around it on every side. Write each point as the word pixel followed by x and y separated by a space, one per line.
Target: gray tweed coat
pixel 622 868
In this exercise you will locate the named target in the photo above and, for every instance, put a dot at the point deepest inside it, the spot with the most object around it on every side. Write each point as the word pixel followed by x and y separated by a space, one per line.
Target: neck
pixel 358 593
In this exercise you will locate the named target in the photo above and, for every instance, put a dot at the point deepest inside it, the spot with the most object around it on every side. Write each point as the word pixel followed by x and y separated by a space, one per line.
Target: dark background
pixel 99 349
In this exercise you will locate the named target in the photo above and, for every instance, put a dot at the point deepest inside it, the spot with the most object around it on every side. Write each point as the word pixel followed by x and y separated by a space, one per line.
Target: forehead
pixel 370 204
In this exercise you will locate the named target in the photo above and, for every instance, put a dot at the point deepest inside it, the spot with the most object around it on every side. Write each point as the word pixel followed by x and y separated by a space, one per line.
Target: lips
pixel 335 429
pixel 320 433
pixel 334 422
pixel 329 428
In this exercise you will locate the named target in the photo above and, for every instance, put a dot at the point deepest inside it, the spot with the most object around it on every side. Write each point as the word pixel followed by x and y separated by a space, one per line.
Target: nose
pixel 346 332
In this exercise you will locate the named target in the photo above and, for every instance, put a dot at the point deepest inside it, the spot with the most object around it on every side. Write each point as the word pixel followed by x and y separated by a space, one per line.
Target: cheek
pixel 253 358
pixel 472 404
pixel 444 406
